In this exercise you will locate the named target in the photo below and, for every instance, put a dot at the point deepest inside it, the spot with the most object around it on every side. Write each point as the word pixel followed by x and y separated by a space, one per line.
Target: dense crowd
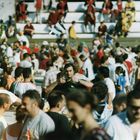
pixel 68 89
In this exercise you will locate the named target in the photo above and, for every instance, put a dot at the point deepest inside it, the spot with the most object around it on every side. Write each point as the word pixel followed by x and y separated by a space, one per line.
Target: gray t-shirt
pixel 36 128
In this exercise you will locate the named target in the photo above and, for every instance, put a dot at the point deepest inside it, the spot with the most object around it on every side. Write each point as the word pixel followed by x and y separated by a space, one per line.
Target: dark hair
pixel 33 95
pixel 73 22
pixel 69 65
pixel 54 98
pixel 25 55
pixel 18 72
pixel 104 71
pixel 119 59
pixel 119 99
pixel 3 82
pixel 135 94
pixel 100 90
pixel 27 72
pixel 120 70
pixel 82 97
pixel 104 59
pixel 19 114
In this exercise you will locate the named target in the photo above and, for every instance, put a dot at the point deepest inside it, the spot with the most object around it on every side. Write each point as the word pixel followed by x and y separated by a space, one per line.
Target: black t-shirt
pixel 62 127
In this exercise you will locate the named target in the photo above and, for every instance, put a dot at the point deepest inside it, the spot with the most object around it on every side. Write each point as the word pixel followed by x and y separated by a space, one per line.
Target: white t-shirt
pixel 3 125
pixel 111 87
pixel 88 69
pixel 21 88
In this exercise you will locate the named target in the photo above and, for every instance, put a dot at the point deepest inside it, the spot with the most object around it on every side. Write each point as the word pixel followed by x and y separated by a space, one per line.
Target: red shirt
pixel 26 48
pixel 38 4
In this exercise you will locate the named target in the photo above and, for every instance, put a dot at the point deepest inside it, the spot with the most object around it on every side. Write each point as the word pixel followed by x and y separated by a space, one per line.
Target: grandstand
pixel 76 13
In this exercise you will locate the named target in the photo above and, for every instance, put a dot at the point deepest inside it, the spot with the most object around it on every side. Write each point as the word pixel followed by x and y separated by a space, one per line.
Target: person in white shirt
pixel 126 125
pixel 5 103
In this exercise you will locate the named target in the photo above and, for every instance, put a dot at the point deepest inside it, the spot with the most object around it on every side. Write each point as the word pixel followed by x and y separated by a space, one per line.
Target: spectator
pixel 18 78
pixel 53 21
pixel 119 103
pixel 102 29
pixel 104 111
pixel 125 125
pixel 90 17
pixel 107 9
pixel 38 6
pixel 37 123
pixel 25 85
pixel 72 32
pixel 13 130
pixel 130 9
pixel 120 82
pixel 81 104
pixel 5 103
pixel 62 126
pixel 29 29
pixel 21 11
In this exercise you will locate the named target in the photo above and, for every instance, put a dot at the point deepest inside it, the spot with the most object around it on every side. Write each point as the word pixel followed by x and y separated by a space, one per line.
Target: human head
pixel 119 103
pixel 133 106
pixel 3 82
pixel 103 71
pixel 80 104
pixel 5 101
pixel 69 69
pixel 20 114
pixel 27 72
pixel 19 72
pixel 31 101
pixel 100 90
pixel 56 100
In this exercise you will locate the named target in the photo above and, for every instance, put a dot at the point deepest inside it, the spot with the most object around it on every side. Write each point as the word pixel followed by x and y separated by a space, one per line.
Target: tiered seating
pixel 76 14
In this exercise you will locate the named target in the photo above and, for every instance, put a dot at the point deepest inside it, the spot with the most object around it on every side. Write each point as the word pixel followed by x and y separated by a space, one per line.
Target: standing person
pixel 38 6
pixel 72 31
pixel 12 131
pixel 120 80
pixel 81 104
pixel 21 11
pixel 5 103
pixel 37 123
pixel 126 125
pixel 90 17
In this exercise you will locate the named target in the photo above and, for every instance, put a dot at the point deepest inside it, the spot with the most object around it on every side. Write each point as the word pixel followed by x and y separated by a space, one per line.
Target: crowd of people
pixel 69 91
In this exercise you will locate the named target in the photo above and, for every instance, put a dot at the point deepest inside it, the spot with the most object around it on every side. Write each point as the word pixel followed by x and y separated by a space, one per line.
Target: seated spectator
pixel 29 29
pixel 21 11
pixel 54 22
pixel 90 17
pixel 107 9
pixel 62 42
pixel 102 29
pixel 63 6
pixel 130 9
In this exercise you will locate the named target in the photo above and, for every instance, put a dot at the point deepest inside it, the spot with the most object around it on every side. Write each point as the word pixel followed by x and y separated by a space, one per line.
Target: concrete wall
pixel 7 7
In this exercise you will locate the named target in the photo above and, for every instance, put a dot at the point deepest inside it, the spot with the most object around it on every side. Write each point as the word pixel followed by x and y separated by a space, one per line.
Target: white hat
pixel 45 43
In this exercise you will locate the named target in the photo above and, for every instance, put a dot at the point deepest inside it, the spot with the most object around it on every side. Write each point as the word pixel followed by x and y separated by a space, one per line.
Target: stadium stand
pixel 76 13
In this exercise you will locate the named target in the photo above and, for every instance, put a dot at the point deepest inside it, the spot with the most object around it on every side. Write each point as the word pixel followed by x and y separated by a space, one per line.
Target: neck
pixel 1 111
pixel 27 80
pixel 54 110
pixel 90 123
